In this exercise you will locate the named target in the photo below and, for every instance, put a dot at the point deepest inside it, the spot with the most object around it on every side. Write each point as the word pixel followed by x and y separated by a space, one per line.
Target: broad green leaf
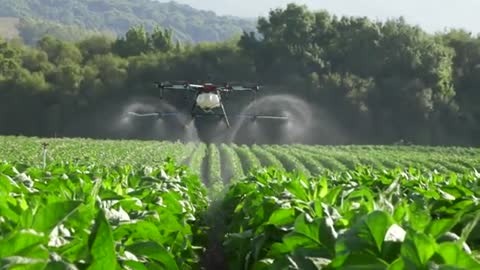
pixel 453 255
pixel 417 249
pixel 17 242
pixel 438 227
pixel 298 189
pixel 398 264
pixel 282 216
pixel 364 241
pixel 102 245
pixel 371 230
pixel 419 217
pixel 75 250
pixel 332 195
pixel 400 211
pixel 320 230
pixel 139 230
pixel 51 215
pixel 7 184
pixel 155 252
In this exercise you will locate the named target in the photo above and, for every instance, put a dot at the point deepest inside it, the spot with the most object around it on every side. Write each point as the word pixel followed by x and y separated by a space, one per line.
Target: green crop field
pixel 104 204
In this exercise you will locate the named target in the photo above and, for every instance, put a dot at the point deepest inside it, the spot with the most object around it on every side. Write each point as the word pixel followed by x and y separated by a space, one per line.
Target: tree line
pixel 381 81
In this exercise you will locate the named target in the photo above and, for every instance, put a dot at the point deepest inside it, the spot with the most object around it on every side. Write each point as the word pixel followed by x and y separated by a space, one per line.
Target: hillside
pixel 117 16
pixel 8 27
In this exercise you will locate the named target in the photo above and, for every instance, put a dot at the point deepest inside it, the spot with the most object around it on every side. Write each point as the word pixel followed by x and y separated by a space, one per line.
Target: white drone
pixel 208 97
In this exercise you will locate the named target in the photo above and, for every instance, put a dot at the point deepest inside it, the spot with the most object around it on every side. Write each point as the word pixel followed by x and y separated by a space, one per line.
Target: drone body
pixel 208 98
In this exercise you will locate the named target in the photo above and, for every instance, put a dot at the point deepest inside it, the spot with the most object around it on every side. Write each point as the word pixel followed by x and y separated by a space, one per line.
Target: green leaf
pixel 398 264
pixel 60 265
pixel 101 244
pixel 52 214
pixel 400 211
pixel 19 241
pixel 453 255
pixel 332 195
pixel 315 238
pixel 419 217
pixel 154 251
pixel 370 231
pixel 439 227
pixel 417 249
pixel 321 230
pixel 282 216
pixel 364 242
pixel 135 265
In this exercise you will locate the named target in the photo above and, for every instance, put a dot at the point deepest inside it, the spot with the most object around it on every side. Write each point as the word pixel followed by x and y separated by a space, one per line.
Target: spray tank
pixel 208 101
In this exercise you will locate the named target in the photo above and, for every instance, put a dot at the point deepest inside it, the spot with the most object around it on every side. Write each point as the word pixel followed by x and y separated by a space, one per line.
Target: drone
pixel 208 100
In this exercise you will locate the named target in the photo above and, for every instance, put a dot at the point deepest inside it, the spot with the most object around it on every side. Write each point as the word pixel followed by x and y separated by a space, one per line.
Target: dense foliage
pixel 117 16
pixel 93 216
pixel 360 219
pixel 380 82
pixel 81 203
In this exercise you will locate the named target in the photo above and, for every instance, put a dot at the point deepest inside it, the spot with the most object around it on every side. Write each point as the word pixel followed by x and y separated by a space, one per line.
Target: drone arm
pixel 244 88
pixel 143 114
pixel 179 86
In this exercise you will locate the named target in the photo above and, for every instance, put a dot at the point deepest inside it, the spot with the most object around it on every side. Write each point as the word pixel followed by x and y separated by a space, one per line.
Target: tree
pixel 161 40
pixel 135 42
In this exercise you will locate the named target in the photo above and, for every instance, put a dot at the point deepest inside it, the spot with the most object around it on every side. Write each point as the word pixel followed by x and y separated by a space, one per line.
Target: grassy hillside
pixel 31 30
pixel 117 16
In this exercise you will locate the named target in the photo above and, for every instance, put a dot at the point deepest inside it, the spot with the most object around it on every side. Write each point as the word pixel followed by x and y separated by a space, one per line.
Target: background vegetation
pixel 74 19
pixel 382 81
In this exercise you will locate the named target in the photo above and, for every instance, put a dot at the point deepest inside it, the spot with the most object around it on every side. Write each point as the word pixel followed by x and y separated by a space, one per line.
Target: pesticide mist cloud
pixel 305 124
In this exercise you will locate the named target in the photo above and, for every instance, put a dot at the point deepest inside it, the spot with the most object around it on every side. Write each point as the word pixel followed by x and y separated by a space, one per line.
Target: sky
pixel 431 15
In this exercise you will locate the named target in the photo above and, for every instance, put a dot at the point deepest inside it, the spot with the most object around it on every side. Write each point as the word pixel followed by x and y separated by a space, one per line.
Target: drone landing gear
pixel 225 115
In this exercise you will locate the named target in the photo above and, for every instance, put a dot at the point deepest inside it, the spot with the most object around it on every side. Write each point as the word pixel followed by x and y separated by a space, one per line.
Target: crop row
pixel 78 203
pixel 360 219
pixel 220 164
pixel 140 217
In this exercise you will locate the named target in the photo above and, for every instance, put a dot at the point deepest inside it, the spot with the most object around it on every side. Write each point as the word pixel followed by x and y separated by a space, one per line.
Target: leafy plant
pixel 101 217
pixel 358 219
